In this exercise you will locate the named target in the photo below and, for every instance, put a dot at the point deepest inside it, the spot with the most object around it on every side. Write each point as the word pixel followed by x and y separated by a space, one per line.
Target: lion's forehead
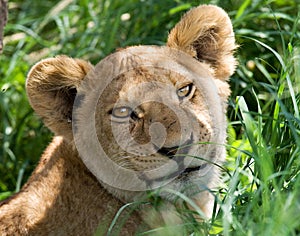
pixel 147 83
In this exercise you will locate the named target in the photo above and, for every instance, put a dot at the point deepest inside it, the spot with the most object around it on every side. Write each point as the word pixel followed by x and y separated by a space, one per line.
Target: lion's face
pixel 146 116
pixel 155 112
pixel 155 118
pixel 158 118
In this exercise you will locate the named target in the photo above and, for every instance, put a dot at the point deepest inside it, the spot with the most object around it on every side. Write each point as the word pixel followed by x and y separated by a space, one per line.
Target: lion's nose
pixel 158 134
pixel 160 122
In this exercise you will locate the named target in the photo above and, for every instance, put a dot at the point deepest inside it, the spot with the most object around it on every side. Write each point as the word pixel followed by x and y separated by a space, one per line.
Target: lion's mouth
pixel 172 152
pixel 177 153
pixel 192 169
pixel 169 152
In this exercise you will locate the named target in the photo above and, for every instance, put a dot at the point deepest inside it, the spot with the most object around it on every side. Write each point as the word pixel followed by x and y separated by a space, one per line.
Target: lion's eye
pixel 185 91
pixel 121 112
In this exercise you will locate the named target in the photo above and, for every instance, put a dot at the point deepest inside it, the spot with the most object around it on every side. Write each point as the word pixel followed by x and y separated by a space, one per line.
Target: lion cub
pixel 144 119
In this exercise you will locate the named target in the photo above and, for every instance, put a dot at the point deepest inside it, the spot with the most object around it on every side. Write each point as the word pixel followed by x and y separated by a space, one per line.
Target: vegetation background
pixel 261 190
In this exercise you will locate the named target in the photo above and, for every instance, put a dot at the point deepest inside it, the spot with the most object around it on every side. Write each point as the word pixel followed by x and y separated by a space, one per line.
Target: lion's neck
pixel 60 196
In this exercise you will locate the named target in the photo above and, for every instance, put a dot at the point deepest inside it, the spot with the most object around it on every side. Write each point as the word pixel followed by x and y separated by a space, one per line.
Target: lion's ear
pixel 206 33
pixel 52 86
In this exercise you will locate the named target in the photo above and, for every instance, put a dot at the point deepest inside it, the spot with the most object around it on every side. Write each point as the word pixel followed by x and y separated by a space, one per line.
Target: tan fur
pixel 66 194
pixel 61 198
pixel 56 83
pixel 206 34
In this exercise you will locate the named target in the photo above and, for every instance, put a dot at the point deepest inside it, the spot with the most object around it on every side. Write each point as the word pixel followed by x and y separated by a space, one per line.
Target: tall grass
pixel 260 194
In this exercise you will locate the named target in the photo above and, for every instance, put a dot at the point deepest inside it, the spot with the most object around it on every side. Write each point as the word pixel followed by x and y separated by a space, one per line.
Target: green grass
pixel 260 194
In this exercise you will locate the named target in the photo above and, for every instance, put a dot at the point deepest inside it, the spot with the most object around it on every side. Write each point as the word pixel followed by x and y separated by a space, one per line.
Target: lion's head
pixel 146 116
